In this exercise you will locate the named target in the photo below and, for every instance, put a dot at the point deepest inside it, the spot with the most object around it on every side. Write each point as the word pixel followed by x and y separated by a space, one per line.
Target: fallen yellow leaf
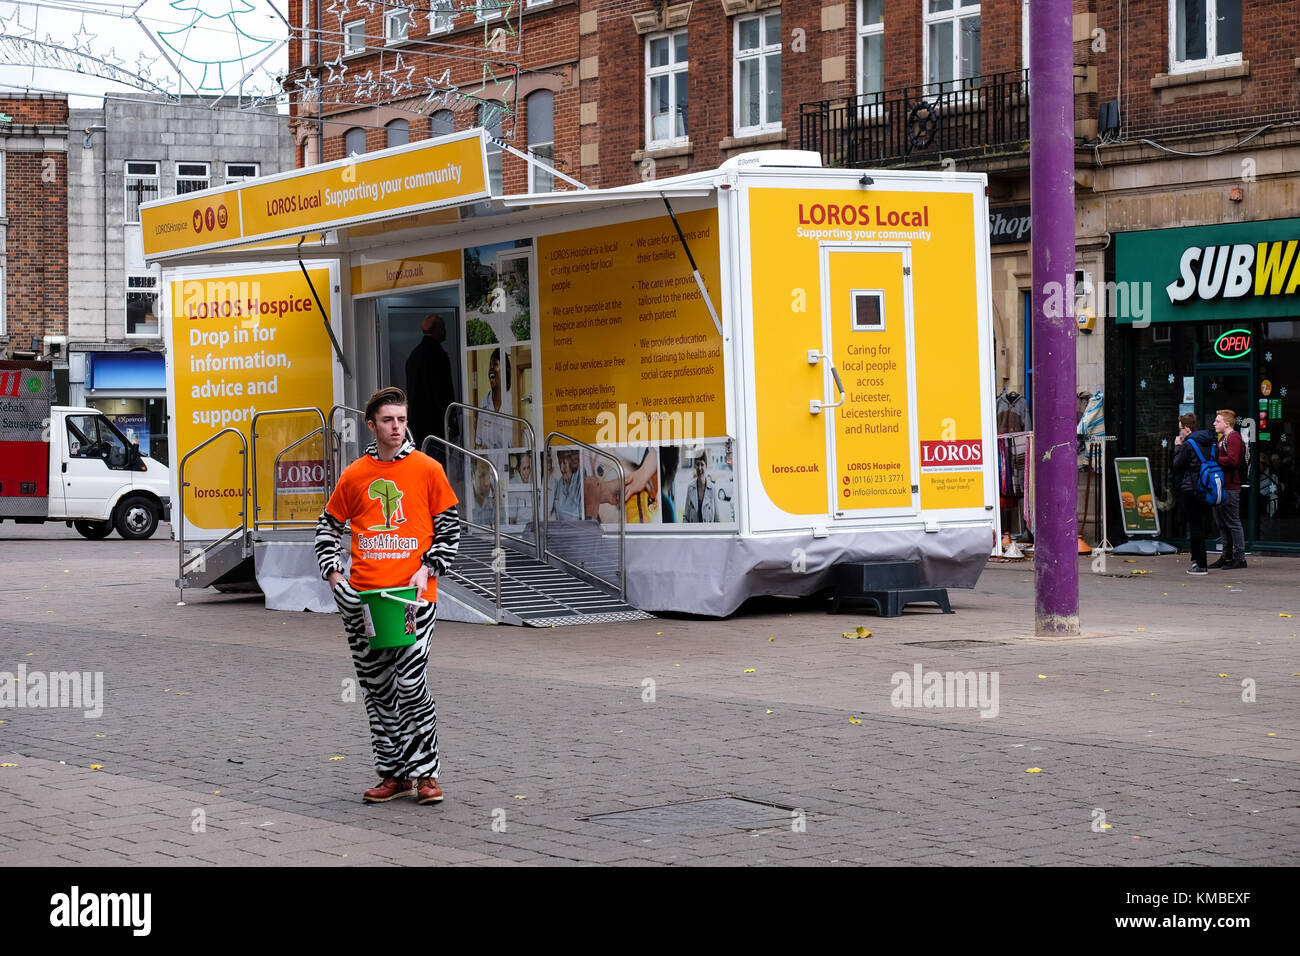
pixel 1130 561
pixel 520 796
pixel 1105 826
pixel 1223 675
pixel 96 766
pixel 336 758
pixel 771 639
pixel 771 712
pixel 1141 628
pixel 1140 571
pixel 658 632
pixel 1034 770
pixel 1270 735
pixel 1105 691
pixel 858 634
pixel 751 670
pixel 854 720
pixel 8 764
pixel 99 735
pixel 1280 614
pixel 1042 677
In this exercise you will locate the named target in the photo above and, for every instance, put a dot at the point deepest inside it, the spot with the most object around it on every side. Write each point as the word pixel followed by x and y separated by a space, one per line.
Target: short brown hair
pixel 385 396
pixel 1188 421
pixel 1229 417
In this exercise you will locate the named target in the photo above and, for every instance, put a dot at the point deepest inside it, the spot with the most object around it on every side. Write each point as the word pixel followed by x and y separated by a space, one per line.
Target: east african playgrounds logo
pixel 390 500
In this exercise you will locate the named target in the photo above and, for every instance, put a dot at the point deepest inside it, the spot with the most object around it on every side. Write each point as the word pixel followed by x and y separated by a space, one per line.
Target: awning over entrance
pixel 138 371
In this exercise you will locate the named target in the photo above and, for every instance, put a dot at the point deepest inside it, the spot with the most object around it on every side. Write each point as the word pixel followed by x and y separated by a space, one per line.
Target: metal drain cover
pixel 714 813
pixel 952 645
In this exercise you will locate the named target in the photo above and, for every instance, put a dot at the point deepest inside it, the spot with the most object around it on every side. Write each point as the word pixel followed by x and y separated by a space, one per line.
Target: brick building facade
pixel 33 221
pixel 1187 118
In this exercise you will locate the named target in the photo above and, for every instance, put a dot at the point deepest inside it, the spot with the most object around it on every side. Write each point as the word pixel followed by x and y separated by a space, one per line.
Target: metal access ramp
pixel 533 593
pixel 509 566
pixel 227 559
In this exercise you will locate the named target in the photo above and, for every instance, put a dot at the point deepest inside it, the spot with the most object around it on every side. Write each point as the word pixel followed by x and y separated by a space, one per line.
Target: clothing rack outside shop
pixel 1016 485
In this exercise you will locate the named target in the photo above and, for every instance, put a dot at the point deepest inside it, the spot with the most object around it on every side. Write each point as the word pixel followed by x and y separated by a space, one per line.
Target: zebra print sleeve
pixel 329 544
pixel 446 540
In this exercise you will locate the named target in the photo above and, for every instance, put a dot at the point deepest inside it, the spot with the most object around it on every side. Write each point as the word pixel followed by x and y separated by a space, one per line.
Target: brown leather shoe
pixel 429 791
pixel 390 789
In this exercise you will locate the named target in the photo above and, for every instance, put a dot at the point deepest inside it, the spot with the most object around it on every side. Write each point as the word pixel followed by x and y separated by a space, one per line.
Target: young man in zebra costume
pixel 405 532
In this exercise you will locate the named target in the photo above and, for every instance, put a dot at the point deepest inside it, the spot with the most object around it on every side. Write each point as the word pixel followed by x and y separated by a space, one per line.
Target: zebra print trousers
pixel 394 681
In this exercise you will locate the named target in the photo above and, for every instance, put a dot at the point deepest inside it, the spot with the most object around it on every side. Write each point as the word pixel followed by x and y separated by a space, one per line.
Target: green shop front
pixel 1208 318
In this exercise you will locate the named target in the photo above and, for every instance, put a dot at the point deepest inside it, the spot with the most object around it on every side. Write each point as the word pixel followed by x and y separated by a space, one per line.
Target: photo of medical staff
pixel 520 489
pixel 699 483
pixel 564 485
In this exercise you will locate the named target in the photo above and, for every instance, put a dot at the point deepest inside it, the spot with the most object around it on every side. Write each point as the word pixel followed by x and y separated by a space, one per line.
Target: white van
pixel 72 464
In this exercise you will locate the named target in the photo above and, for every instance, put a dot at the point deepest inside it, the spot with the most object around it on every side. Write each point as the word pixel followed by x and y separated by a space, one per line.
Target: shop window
pixel 489 117
pixel 871 46
pixel 952 43
pixel 1203 33
pixel 142 305
pixel 541 140
pixel 667 96
pixel 354 141
pixel 442 15
pixel 354 37
pixel 399 132
pixel 397 25
pixel 757 74
pixel 141 187
pixel 191 177
pixel 238 172
pixel 442 122
pixel 304 51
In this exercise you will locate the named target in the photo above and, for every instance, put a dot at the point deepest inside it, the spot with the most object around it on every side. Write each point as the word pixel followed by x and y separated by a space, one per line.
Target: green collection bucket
pixel 386 608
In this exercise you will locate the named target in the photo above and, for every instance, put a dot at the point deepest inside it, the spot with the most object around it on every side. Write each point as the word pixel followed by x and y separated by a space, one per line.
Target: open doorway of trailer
pixel 419 344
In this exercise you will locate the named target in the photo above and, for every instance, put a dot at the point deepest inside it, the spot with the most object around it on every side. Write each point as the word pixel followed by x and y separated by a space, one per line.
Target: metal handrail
pixel 182 484
pixel 538 518
pixel 497 553
pixel 336 447
pixel 252 428
pixel 275 470
pixel 622 515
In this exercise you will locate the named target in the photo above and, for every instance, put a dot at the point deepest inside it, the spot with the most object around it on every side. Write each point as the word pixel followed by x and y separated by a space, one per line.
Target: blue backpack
pixel 1209 480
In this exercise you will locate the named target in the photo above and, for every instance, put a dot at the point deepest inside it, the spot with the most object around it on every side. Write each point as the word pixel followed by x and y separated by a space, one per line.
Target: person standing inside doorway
pixel 429 384
pixel 1186 469
pixel 405 533
pixel 1231 451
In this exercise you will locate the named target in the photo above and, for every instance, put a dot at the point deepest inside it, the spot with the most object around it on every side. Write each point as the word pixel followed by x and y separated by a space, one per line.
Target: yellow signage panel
pixel 212 217
pixel 405 273
pixel 241 344
pixel 397 182
pixel 787 227
pixel 386 184
pixel 627 347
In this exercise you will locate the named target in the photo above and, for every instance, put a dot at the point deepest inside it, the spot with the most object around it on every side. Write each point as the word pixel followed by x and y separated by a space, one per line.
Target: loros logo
pixel 956 455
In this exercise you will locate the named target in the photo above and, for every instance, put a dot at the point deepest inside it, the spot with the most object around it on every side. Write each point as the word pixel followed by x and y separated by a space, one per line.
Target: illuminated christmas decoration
pixel 216 10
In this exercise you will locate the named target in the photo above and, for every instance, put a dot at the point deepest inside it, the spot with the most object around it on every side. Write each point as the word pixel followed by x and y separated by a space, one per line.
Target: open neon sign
pixel 1235 343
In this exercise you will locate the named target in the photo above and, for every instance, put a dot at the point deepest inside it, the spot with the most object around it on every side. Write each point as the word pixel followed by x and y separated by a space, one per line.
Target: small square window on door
pixel 868 310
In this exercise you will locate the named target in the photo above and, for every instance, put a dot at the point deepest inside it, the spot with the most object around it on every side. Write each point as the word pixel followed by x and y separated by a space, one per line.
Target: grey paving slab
pixel 223 707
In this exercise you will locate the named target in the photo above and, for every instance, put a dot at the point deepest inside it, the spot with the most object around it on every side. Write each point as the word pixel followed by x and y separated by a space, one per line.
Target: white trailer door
pixel 869 379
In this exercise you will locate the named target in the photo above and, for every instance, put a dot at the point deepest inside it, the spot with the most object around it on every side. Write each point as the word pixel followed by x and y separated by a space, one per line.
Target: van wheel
pixel 136 518
pixel 94 530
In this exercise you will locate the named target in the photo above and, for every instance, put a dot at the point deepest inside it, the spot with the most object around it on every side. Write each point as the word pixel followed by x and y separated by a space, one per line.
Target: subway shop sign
pixel 1237 271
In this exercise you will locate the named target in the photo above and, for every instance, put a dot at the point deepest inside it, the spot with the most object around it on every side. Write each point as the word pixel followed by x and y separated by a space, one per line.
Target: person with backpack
pixel 1192 447
pixel 1231 454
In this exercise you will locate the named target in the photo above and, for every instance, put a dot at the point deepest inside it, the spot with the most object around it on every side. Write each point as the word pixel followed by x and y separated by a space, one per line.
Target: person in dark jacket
pixel 1231 452
pixel 1186 468
pixel 429 384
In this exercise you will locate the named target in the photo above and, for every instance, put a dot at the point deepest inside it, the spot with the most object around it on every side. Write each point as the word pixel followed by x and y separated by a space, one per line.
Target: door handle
pixel 814 406
pixel 65 467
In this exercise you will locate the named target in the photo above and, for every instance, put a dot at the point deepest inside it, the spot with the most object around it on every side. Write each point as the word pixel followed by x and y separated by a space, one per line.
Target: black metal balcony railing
pixel 981 115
